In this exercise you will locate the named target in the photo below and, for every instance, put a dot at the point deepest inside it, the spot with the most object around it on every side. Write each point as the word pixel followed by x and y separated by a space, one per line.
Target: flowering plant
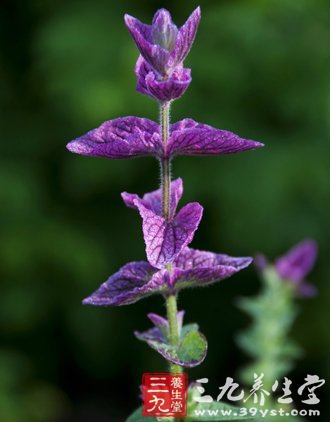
pixel 171 264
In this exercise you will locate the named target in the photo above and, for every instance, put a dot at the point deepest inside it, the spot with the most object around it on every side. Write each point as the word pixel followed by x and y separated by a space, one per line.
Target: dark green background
pixel 260 69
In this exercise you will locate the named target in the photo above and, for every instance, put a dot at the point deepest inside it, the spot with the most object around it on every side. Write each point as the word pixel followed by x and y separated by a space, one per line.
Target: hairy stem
pixel 165 163
pixel 171 301
pixel 172 311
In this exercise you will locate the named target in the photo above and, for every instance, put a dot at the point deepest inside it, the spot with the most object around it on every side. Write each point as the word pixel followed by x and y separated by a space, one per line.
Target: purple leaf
pixel 152 335
pixel 159 322
pixel 192 138
pixel 126 137
pixel 200 268
pixel 130 284
pixel 130 137
pixel 165 240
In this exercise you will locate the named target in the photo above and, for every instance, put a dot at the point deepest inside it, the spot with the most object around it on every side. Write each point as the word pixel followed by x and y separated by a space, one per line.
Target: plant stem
pixel 171 301
pixel 171 306
pixel 165 162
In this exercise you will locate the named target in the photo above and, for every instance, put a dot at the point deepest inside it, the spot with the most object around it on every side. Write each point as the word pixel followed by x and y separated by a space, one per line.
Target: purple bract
pixel 171 264
pixel 192 268
pixel 296 264
pixel 150 83
pixel 130 137
pixel 166 244
pixel 165 239
pixel 162 45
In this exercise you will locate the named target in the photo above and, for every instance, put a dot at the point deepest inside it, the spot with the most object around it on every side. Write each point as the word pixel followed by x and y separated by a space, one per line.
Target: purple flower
pixel 130 137
pixel 296 264
pixel 162 45
pixel 172 265
pixel 152 84
pixel 165 239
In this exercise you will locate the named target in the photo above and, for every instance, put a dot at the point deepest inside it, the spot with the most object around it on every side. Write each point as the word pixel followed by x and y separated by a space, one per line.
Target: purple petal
pixel 200 268
pixel 305 289
pixel 126 137
pixel 142 69
pixel 186 37
pixel 298 262
pixel 163 30
pixel 165 240
pixel 153 200
pixel 161 44
pixel 154 54
pixel 149 83
pixel 130 284
pixel 139 28
pixel 192 138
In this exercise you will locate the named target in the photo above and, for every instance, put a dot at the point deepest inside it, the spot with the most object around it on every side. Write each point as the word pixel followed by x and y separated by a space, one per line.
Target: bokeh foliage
pixel 261 69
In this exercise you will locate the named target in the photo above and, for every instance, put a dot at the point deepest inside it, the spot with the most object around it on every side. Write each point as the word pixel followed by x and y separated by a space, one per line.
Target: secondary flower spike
pixel 129 137
pixel 294 266
pixel 162 45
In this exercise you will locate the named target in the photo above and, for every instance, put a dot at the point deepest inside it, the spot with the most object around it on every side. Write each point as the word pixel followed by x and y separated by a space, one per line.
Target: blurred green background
pixel 260 69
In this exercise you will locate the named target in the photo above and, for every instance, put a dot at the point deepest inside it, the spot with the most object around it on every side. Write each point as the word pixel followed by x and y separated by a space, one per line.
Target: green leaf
pixel 193 348
pixel 190 352
pixel 188 327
